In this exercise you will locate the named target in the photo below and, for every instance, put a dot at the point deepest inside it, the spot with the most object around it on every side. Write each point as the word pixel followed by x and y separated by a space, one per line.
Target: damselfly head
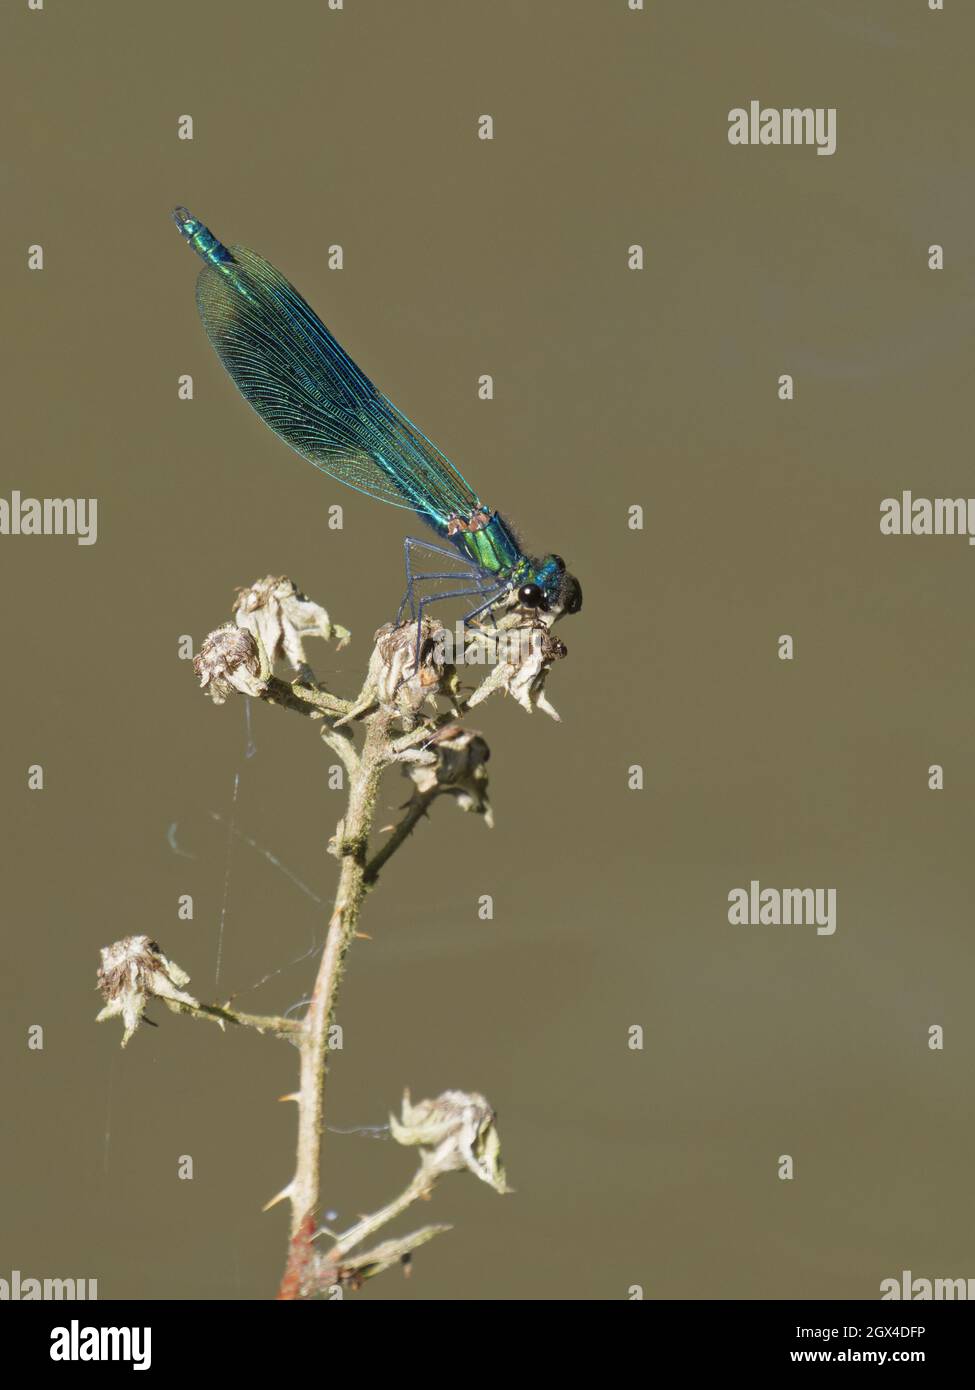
pixel 551 587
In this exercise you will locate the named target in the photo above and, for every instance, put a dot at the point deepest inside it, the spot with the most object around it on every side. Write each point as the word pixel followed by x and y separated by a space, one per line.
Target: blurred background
pixel 613 388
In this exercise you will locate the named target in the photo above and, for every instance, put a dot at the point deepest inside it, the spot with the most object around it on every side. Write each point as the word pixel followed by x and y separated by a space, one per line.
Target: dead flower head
pixel 275 610
pixel 525 655
pixel 455 1131
pixel 229 662
pixel 133 971
pixel 454 763
pixel 395 677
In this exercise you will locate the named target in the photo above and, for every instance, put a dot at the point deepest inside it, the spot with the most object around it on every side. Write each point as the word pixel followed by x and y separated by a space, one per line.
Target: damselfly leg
pixel 483 584
pixel 480 590
pixel 467 569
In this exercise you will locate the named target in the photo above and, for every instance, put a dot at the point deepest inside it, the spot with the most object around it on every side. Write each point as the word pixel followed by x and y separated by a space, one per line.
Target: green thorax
pixel 490 545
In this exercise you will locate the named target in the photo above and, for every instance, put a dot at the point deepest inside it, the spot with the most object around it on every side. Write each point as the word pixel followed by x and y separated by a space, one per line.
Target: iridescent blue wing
pixel 287 365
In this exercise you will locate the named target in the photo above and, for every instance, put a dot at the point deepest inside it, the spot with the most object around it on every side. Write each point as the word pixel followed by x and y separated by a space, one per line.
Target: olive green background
pixel 614 388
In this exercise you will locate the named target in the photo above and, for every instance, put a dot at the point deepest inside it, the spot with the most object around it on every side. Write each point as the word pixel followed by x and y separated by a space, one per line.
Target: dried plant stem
pixel 414 813
pixel 305 699
pixel 313 1043
pixel 420 1187
pixel 263 1023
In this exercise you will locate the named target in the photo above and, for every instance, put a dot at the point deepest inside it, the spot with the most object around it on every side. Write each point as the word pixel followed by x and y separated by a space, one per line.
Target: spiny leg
pixel 468 568
pixel 495 598
pixel 499 590
pixel 478 589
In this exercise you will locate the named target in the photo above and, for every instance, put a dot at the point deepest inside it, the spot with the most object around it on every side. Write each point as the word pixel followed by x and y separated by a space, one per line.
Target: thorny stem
pixel 306 699
pixel 264 1023
pixel 420 1186
pixel 357 875
pixel 313 1044
pixel 334 1269
pixel 415 812
pixel 426 732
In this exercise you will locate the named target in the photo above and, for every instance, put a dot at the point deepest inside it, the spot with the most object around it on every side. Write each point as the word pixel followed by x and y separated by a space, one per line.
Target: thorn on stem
pixel 282 1196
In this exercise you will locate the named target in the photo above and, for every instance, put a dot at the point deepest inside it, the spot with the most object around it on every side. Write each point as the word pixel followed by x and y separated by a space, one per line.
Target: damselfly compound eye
pixel 530 596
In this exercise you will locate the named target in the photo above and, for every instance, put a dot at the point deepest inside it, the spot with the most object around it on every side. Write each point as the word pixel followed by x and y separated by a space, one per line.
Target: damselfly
pixel 287 365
